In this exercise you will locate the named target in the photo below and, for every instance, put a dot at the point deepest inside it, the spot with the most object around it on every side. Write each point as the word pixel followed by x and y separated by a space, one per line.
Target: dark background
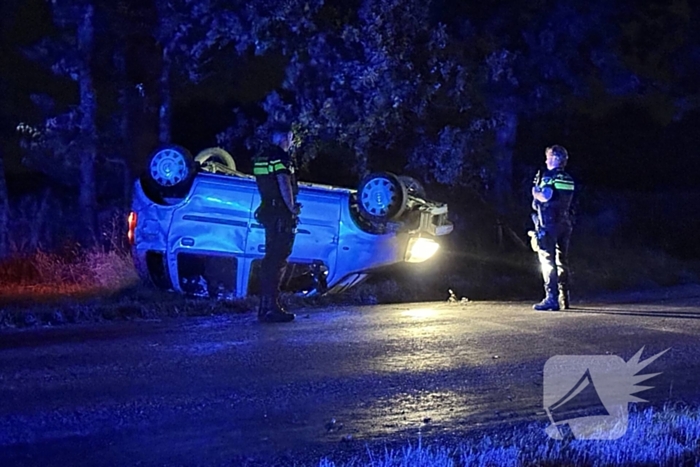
pixel 612 145
pixel 641 142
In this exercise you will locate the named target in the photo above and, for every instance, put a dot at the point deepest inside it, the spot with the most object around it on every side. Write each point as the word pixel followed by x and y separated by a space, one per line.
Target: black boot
pixel 564 297
pixel 549 303
pixel 264 307
pixel 279 306
pixel 271 312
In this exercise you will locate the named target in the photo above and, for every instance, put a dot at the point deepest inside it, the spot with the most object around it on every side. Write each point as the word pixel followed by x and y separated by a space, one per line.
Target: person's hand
pixel 543 195
pixel 297 209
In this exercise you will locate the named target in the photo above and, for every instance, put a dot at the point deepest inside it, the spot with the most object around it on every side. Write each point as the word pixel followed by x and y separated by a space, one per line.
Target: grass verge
pixel 131 303
pixel 52 289
pixel 669 436
pixel 71 274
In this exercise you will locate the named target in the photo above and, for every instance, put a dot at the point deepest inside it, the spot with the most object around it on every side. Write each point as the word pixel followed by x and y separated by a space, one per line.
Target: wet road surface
pixel 230 391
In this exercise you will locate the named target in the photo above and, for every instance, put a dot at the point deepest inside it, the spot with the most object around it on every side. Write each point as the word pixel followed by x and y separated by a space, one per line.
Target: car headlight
pixel 420 249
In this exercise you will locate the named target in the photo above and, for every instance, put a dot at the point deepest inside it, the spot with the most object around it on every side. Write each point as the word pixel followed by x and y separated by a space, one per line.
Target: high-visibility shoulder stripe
pixel 267 170
pixel 268 167
pixel 563 186
pixel 564 180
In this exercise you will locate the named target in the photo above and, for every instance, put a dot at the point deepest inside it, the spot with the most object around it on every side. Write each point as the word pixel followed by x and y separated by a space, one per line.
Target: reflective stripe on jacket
pixel 557 209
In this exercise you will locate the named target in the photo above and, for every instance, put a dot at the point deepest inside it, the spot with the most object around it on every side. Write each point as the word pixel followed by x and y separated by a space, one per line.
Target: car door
pixel 213 220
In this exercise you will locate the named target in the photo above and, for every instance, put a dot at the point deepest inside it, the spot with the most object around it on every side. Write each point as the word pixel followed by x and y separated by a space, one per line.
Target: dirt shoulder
pixel 146 303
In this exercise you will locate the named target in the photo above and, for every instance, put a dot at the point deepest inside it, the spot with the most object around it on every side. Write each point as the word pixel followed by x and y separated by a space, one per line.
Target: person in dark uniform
pixel 552 194
pixel 274 172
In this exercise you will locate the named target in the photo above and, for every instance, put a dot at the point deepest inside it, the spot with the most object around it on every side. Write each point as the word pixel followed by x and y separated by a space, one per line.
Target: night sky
pixel 631 143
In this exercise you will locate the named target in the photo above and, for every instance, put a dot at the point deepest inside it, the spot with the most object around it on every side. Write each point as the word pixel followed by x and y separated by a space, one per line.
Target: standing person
pixel 552 194
pixel 274 171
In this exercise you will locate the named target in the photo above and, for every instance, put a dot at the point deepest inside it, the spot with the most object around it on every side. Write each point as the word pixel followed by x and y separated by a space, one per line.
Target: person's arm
pixel 284 181
pixel 542 194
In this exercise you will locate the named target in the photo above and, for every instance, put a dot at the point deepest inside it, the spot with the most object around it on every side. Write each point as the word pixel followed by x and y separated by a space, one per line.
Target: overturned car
pixel 192 227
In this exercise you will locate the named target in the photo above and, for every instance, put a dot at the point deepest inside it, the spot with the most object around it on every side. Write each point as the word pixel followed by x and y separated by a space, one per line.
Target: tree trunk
pixel 37 228
pixel 165 99
pixel 88 108
pixel 506 134
pixel 124 125
pixel 4 213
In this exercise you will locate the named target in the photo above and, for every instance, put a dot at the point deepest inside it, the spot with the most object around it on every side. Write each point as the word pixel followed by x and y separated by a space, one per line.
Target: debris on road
pixel 333 426
pixel 452 297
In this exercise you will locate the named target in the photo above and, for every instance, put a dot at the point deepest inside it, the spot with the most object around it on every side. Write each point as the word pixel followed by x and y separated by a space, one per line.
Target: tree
pixel 657 44
pixel 4 213
pixel 6 9
pixel 68 141
pixel 87 124
pixel 348 84
pixel 172 26
pixel 125 42
pixel 538 60
pixel 379 80
pixel 193 33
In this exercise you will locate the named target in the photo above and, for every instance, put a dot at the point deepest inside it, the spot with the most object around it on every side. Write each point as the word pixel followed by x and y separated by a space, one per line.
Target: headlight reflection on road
pixel 415 408
pixel 421 339
pixel 420 313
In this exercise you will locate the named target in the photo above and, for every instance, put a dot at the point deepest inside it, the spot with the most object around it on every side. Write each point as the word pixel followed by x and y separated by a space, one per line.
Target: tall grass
pixel 50 269
pixel 58 274
pixel 668 436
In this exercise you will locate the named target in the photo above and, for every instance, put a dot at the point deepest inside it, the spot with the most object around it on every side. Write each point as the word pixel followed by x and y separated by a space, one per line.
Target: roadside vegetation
pixel 102 284
pixel 663 436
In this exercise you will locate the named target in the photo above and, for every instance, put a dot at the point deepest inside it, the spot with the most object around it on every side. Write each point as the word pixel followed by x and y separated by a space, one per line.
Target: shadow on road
pixel 652 314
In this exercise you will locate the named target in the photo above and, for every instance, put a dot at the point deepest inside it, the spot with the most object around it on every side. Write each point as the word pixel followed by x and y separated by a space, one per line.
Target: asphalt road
pixel 230 391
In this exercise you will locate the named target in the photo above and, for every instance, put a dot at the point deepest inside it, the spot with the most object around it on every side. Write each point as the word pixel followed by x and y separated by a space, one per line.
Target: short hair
pixel 279 131
pixel 560 153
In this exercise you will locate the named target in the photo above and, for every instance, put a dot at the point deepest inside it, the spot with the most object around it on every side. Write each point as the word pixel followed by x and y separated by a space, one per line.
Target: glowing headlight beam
pixel 420 249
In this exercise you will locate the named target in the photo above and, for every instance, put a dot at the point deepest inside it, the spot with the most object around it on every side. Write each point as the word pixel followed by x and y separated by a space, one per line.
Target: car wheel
pixel 381 197
pixel 413 186
pixel 171 170
pixel 215 155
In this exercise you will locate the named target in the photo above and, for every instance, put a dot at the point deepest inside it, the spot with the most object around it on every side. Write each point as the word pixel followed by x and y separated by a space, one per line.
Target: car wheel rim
pixel 378 196
pixel 168 167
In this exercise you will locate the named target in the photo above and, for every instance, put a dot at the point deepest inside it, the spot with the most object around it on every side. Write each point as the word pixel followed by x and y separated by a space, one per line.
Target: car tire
pixel 170 171
pixel 381 197
pixel 215 153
